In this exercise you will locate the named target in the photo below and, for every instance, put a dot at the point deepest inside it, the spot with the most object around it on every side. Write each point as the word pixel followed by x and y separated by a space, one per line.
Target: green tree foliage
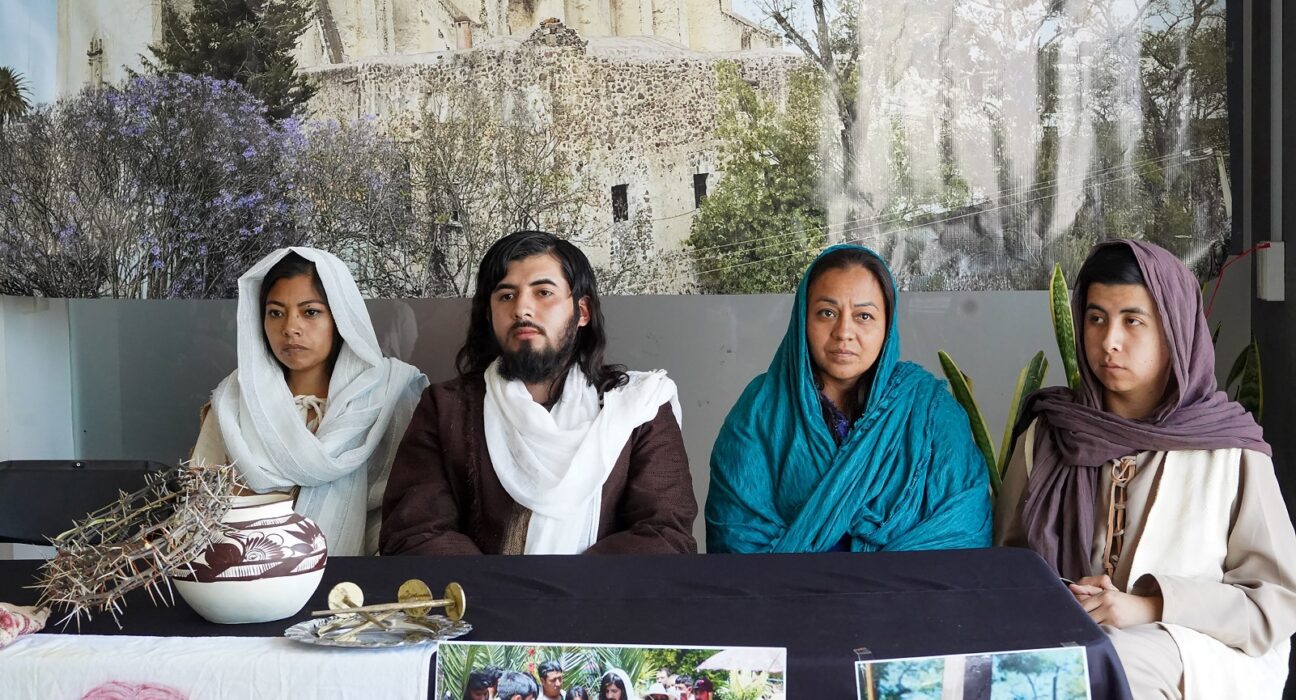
pixel 241 40
pixel 1054 674
pixel 895 680
pixel 14 100
pixel 764 223
pixel 833 45
pixel 682 662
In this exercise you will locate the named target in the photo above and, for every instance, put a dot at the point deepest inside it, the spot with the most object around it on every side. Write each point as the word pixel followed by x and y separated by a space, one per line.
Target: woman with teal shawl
pixel 904 475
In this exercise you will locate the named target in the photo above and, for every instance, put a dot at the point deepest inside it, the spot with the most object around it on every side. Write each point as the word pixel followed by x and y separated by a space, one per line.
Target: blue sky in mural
pixel 29 43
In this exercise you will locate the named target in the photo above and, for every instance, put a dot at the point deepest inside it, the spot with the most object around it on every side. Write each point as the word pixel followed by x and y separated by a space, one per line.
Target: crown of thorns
pixel 139 541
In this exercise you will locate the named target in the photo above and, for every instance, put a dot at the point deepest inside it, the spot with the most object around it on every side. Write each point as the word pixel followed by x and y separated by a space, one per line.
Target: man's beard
pixel 531 366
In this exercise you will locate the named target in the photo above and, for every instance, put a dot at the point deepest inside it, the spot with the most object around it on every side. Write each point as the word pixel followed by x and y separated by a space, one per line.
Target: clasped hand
pixel 1108 605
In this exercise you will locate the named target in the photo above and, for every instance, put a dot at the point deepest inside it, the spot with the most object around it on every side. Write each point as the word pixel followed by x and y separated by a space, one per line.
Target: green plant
pixel 764 223
pixel 1029 380
pixel 1064 327
pixel 1248 379
pixel 14 94
pixel 250 43
pixel 961 387
pixel 745 685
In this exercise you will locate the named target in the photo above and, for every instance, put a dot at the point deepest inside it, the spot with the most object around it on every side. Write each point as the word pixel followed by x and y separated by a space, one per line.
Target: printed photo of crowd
pixel 491 671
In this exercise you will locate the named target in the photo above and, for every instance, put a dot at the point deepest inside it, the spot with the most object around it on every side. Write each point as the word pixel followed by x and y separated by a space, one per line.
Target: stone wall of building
pixel 635 112
pixel 356 30
pixel 99 40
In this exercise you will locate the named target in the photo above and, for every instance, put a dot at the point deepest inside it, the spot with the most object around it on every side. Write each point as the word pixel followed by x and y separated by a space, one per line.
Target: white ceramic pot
pixel 264 566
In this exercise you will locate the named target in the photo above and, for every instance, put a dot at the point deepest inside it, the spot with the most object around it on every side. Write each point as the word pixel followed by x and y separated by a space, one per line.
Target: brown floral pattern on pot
pixel 283 544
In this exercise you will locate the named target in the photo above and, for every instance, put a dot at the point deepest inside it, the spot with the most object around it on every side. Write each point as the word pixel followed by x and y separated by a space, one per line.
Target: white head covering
pixel 625 680
pixel 342 467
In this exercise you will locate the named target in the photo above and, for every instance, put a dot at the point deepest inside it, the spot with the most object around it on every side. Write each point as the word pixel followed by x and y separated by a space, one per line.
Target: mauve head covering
pixel 1075 437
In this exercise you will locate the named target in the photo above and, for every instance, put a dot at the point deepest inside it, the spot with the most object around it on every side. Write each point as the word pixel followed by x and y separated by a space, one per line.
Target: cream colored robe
pixel 1210 531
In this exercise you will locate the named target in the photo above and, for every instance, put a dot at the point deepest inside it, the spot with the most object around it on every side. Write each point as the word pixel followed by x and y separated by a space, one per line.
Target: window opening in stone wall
pixel 620 203
pixel 746 40
pixel 699 189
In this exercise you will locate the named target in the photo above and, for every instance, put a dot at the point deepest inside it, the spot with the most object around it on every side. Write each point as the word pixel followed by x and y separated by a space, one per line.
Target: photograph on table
pixel 1061 673
pixel 537 671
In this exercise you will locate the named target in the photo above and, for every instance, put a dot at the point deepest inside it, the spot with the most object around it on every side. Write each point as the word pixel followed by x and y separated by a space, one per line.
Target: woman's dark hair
pixel 289 266
pixel 577 692
pixel 1110 264
pixel 610 679
pixel 856 257
pixel 481 348
pixel 480 680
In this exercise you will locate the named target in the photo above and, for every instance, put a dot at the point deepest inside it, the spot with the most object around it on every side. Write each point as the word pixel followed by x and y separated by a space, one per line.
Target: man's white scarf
pixel 554 463
pixel 343 466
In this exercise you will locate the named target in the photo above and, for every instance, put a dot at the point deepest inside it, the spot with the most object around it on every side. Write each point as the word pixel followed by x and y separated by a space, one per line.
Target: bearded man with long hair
pixel 538 446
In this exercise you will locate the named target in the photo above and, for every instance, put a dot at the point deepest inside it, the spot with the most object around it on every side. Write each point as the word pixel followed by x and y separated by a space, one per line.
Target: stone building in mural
pixel 355 29
pixel 638 114
pixel 629 86
pixel 100 40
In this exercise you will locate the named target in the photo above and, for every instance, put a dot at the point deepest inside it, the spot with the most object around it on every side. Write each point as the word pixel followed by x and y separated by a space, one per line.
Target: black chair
pixel 40 499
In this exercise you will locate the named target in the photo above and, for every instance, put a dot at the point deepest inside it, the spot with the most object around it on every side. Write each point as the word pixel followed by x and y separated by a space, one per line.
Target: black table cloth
pixel 821 607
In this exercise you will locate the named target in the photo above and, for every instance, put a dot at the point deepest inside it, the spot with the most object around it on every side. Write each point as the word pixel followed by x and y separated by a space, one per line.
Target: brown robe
pixel 443 496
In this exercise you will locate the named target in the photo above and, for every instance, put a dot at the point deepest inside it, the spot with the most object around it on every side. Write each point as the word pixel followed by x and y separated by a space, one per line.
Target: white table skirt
pixel 50 666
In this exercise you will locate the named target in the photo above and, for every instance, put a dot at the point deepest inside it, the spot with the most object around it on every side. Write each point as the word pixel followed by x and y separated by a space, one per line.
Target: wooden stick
pixel 384 607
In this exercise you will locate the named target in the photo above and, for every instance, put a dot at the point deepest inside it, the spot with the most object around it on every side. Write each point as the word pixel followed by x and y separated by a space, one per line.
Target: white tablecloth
pixel 55 666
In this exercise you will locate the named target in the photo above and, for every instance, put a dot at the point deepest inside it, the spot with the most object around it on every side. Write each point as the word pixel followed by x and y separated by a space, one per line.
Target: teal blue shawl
pixel 908 476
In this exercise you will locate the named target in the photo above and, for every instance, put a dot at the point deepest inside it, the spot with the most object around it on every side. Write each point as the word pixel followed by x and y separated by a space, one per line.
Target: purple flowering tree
pixel 173 186
pixel 354 196
pixel 168 187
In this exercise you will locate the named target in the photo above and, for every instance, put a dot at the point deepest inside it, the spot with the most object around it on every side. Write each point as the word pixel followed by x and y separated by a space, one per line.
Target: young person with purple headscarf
pixel 1155 493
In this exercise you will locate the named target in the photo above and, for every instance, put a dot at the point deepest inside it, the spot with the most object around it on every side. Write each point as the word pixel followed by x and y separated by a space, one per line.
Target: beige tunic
pixel 1251 607
pixel 210 447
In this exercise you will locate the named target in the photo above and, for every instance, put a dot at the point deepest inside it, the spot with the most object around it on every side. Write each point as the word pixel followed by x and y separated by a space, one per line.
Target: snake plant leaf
pixel 1246 374
pixel 1064 327
pixel 1029 381
pixel 962 390
pixel 1239 364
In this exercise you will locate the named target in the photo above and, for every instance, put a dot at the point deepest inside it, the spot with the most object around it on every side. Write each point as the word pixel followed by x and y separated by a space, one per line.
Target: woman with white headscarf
pixel 616 685
pixel 313 406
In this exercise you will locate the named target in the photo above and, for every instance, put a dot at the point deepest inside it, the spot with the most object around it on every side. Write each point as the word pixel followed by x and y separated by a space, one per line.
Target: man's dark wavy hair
pixel 515 684
pixel 548 667
pixel 481 348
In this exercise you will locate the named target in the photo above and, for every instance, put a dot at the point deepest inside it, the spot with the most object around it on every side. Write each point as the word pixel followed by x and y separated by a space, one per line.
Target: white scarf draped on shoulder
pixel 554 463
pixel 342 467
